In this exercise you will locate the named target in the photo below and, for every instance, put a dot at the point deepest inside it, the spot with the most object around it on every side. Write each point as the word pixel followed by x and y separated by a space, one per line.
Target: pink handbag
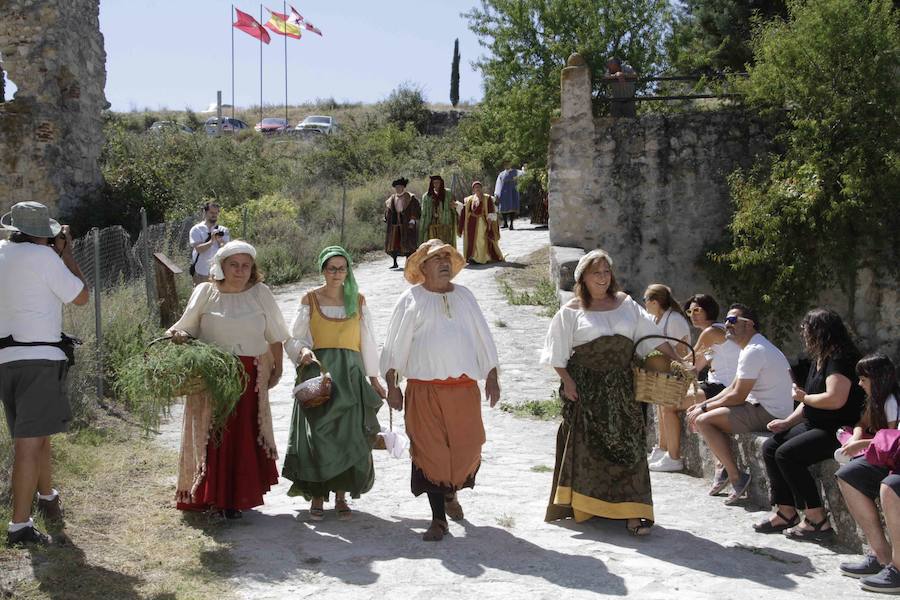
pixel 884 451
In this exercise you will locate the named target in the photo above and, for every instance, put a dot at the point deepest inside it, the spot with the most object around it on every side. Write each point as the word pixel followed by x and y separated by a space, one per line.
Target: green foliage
pixel 714 35
pixel 454 75
pixel 527 43
pixel 828 205
pixel 544 295
pixel 152 380
pixel 545 410
pixel 406 106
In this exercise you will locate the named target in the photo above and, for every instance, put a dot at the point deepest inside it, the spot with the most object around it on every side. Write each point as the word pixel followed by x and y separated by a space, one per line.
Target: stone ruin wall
pixel 51 133
pixel 652 192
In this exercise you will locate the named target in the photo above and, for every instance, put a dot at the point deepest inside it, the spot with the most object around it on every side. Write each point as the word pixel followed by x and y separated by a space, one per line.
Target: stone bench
pixel 700 462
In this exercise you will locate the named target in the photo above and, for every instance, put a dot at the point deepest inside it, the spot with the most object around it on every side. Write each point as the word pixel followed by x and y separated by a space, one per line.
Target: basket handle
pixel 665 337
pixel 167 337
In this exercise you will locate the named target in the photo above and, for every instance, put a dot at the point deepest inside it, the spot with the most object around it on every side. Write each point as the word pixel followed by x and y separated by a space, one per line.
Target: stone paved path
pixel 700 549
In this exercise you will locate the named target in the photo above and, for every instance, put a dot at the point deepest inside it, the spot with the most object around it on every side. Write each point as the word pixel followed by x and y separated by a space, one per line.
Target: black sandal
pixel 641 529
pixel 768 527
pixel 816 534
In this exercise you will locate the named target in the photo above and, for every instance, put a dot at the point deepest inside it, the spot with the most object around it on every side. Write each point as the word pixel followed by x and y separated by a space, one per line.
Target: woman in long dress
pixel 238 313
pixel 330 446
pixel 438 213
pixel 479 227
pixel 601 462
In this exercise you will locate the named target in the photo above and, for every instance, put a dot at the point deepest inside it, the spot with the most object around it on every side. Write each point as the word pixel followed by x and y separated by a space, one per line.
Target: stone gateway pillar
pixel 51 132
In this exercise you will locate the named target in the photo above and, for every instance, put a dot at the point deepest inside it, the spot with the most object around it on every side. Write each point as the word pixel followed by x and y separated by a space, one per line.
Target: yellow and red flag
pixel 282 25
pixel 250 26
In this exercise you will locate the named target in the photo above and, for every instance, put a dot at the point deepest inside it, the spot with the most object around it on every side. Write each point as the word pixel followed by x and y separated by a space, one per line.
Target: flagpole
pixel 232 61
pixel 284 9
pixel 260 68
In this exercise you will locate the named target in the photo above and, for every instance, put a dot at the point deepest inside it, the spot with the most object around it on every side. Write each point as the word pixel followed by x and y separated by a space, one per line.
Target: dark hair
pixel 747 313
pixel 706 302
pixel 824 334
pixel 581 290
pixel 882 375
pixel 211 204
pixel 663 294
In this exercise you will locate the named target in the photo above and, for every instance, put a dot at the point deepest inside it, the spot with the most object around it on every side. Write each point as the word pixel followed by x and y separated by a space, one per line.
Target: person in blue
pixel 507 195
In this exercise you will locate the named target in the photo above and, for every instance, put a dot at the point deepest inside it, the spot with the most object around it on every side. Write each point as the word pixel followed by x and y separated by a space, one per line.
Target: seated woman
pixel 829 400
pixel 330 446
pixel 660 303
pixel 861 482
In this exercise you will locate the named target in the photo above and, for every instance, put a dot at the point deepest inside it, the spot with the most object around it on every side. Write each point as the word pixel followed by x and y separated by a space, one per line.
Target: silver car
pixel 229 125
pixel 317 124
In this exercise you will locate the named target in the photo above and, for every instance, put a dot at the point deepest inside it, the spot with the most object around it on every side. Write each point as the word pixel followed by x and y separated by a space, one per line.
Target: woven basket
pixel 664 389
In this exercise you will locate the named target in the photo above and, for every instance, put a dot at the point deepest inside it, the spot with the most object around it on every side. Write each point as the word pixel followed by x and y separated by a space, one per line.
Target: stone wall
pixel 652 192
pixel 51 132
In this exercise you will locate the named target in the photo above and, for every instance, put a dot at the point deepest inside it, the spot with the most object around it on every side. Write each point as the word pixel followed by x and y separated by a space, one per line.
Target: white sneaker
pixel 667 464
pixel 657 454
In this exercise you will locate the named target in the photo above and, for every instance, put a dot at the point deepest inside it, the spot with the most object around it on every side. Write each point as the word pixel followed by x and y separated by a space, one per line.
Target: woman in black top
pixel 830 399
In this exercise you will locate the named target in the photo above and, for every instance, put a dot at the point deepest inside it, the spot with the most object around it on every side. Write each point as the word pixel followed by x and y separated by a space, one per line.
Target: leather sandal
pixel 766 526
pixel 641 529
pixel 816 534
pixel 316 513
pixel 343 510
pixel 436 531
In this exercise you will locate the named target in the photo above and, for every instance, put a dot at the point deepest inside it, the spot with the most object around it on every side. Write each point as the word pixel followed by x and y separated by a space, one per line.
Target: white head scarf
pixel 588 259
pixel 229 249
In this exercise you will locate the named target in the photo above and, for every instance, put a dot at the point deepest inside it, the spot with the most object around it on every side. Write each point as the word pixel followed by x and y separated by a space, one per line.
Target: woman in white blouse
pixel 660 303
pixel 330 446
pixel 238 313
pixel 601 462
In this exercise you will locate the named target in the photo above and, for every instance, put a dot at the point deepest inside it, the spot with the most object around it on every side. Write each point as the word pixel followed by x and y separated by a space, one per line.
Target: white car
pixel 317 124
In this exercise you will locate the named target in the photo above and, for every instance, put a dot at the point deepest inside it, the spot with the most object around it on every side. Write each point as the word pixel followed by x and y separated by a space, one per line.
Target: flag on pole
pixel 279 23
pixel 250 26
pixel 299 20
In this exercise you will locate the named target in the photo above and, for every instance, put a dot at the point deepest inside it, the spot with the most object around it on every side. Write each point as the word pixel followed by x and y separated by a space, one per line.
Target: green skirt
pixel 330 446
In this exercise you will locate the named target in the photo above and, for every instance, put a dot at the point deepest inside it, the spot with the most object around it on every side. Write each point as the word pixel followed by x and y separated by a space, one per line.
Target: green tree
pixel 810 217
pixel 527 43
pixel 454 75
pixel 714 35
pixel 406 105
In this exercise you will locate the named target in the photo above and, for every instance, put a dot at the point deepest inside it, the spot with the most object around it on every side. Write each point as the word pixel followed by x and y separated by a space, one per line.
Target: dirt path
pixel 700 548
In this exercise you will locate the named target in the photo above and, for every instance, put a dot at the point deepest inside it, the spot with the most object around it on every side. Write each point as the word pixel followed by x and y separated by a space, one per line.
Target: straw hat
pixel 412 271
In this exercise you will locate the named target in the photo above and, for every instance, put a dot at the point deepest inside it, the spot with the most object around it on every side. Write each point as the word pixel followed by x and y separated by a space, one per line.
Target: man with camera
pixel 206 238
pixel 38 274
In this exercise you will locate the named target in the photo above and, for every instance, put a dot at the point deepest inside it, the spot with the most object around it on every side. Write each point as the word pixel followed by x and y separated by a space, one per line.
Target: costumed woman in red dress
pixel 238 313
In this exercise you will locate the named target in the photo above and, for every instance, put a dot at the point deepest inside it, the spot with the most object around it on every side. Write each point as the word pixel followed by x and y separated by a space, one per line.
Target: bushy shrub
pixel 406 106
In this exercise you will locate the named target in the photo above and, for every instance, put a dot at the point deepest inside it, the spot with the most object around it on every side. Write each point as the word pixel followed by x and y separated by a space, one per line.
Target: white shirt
pixel 723 360
pixel 891 410
pixel 243 323
pixel 676 326
pixel 301 336
pixel 199 234
pixel 34 285
pixel 572 327
pixel 438 336
pixel 762 361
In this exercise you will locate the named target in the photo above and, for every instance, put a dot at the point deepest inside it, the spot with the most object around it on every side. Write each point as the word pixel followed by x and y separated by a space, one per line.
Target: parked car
pixel 229 125
pixel 172 126
pixel 317 124
pixel 271 125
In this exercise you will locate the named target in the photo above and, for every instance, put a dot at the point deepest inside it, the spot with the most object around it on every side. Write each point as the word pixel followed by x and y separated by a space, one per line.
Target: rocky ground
pixel 503 549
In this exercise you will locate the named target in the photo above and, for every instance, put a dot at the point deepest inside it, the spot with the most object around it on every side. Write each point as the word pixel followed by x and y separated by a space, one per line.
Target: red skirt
pixel 238 472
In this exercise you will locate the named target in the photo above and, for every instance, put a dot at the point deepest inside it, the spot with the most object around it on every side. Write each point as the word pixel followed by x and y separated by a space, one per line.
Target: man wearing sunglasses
pixel 760 392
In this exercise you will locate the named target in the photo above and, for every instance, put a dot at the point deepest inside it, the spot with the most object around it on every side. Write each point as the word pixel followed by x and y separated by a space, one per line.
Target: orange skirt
pixel 443 422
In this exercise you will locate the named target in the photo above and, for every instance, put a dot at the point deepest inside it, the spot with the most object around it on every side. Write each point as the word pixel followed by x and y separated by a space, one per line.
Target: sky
pixel 177 53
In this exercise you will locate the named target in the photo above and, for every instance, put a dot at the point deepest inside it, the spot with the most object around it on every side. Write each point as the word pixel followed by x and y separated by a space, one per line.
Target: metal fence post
pixel 98 314
pixel 148 266
pixel 244 224
pixel 343 208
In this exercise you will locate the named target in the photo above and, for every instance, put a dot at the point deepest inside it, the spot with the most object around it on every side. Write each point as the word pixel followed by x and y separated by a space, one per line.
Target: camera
pixel 220 233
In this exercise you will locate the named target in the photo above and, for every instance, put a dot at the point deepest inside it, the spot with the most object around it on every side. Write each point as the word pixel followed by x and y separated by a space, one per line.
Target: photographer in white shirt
pixel 206 237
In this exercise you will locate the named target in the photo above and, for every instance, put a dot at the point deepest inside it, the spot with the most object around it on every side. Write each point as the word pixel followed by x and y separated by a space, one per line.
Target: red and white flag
pixel 297 18
pixel 251 26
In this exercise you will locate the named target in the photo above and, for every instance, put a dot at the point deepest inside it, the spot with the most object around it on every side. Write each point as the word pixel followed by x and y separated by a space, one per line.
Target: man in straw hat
pixel 439 340
pixel 38 274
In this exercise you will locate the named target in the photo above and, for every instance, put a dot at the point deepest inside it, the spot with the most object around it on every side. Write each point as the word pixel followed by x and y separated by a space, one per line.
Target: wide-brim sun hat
pixel 30 218
pixel 412 271
pixel 402 181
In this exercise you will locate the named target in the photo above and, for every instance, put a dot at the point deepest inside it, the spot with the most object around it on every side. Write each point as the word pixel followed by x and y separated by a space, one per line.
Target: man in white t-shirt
pixel 38 274
pixel 759 393
pixel 206 238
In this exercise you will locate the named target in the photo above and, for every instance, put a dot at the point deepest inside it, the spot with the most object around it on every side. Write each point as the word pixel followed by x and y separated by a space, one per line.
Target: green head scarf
pixel 351 290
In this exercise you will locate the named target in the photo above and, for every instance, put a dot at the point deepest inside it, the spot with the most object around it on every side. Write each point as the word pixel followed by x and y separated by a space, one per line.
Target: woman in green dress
pixel 330 446
pixel 601 459
pixel 439 214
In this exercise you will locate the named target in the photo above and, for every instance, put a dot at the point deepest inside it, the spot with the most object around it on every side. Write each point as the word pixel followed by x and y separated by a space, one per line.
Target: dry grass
pixel 125 538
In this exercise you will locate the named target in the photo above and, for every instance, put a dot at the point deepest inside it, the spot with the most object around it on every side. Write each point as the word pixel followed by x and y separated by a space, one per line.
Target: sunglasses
pixel 731 319
pixel 335 270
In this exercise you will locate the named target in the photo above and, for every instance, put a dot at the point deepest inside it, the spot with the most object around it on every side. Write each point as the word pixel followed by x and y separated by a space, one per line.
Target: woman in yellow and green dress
pixel 479 228
pixel 330 446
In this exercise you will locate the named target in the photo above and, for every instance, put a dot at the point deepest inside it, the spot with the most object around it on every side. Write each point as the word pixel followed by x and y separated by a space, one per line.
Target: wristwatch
pixel 703 406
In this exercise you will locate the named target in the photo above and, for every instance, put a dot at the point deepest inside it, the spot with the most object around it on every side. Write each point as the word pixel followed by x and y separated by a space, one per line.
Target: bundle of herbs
pixel 152 381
